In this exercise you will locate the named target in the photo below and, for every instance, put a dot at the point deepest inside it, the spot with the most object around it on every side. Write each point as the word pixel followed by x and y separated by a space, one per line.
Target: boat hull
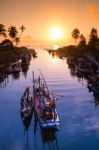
pixel 49 124
pixel 45 123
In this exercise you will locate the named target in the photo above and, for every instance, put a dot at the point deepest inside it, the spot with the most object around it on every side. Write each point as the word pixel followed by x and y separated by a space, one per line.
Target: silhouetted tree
pixel 17 40
pixel 75 34
pixel 3 30
pixel 93 40
pixel 82 41
pixel 12 32
pixel 7 42
pixel 22 28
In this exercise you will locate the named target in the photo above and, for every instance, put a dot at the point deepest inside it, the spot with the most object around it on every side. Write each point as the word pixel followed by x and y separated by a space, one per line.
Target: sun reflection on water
pixel 56 46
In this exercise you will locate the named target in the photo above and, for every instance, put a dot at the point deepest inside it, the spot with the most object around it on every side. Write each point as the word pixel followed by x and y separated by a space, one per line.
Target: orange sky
pixel 39 16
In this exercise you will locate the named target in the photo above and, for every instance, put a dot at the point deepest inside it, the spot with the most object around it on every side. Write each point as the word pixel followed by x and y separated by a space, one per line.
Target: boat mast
pixel 44 81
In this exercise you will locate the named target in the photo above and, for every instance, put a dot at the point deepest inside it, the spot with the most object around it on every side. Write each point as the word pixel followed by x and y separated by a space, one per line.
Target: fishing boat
pixel 26 104
pixel 44 104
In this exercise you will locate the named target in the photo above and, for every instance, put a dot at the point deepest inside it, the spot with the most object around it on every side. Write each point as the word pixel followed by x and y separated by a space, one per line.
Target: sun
pixel 56 33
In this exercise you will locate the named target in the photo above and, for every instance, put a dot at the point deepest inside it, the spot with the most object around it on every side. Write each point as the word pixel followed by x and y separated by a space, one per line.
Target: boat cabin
pixel 50 103
pixel 48 114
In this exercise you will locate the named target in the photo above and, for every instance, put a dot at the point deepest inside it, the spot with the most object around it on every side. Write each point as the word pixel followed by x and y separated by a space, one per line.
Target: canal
pixel 79 116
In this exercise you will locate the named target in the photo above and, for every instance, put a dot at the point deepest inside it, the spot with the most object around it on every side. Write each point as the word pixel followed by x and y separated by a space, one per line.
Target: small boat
pixel 26 120
pixel 45 104
pixel 26 104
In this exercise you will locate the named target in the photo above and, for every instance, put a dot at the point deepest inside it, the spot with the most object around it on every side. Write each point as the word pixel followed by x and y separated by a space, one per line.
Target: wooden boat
pixel 26 119
pixel 45 104
pixel 26 104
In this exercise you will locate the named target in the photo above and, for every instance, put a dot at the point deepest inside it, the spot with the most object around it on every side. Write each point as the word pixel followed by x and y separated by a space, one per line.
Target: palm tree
pixel 82 41
pixel 17 40
pixel 75 34
pixel 12 32
pixel 3 30
pixel 93 38
pixel 22 28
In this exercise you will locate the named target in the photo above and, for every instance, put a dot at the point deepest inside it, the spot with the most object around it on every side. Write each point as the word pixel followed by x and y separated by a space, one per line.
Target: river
pixel 79 117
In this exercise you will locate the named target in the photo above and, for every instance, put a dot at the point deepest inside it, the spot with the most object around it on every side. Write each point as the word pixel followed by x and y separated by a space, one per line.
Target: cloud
pixel 93 10
pixel 29 40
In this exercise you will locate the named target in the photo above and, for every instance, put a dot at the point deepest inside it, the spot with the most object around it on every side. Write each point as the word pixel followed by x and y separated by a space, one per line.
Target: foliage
pixel 3 30
pixel 93 40
pixel 17 40
pixel 6 42
pixel 12 32
pixel 12 54
pixel 22 28
pixel 75 34
pixel 82 42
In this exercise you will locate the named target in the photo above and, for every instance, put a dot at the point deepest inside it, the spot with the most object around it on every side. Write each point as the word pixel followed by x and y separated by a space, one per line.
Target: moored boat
pixel 26 104
pixel 45 105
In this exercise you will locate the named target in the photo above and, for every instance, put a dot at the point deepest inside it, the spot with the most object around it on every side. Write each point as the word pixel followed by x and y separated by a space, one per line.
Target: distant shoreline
pixel 75 51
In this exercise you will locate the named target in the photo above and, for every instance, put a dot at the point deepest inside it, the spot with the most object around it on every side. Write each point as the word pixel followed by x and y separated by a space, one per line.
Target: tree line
pixel 82 45
pixel 93 41
pixel 12 33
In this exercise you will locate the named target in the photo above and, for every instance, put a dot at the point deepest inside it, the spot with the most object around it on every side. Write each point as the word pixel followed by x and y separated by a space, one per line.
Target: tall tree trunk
pixel 75 42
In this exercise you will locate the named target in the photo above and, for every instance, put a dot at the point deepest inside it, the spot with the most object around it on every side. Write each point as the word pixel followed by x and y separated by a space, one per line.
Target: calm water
pixel 79 118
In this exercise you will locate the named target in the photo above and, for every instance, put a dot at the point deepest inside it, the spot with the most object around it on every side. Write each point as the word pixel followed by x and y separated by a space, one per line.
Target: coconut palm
pixel 75 34
pixel 12 32
pixel 3 30
pixel 22 28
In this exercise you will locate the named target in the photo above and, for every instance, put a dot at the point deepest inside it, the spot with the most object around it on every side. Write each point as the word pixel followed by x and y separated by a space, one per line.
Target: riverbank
pixel 76 51
pixel 14 60
pixel 10 54
pixel 83 63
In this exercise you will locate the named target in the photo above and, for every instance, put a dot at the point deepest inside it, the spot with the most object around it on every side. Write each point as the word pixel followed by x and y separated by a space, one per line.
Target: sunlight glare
pixel 55 59
pixel 56 46
pixel 56 33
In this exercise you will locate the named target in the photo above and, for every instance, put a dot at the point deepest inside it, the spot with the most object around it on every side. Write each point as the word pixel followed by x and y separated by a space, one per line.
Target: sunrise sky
pixel 40 16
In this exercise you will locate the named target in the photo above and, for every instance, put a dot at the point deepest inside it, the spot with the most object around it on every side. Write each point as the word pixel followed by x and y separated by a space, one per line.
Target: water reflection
pixel 36 127
pixel 4 79
pixel 24 67
pixel 82 77
pixel 26 122
pixel 49 139
pixel 73 64
pixel 79 120
pixel 96 100
pixel 15 76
